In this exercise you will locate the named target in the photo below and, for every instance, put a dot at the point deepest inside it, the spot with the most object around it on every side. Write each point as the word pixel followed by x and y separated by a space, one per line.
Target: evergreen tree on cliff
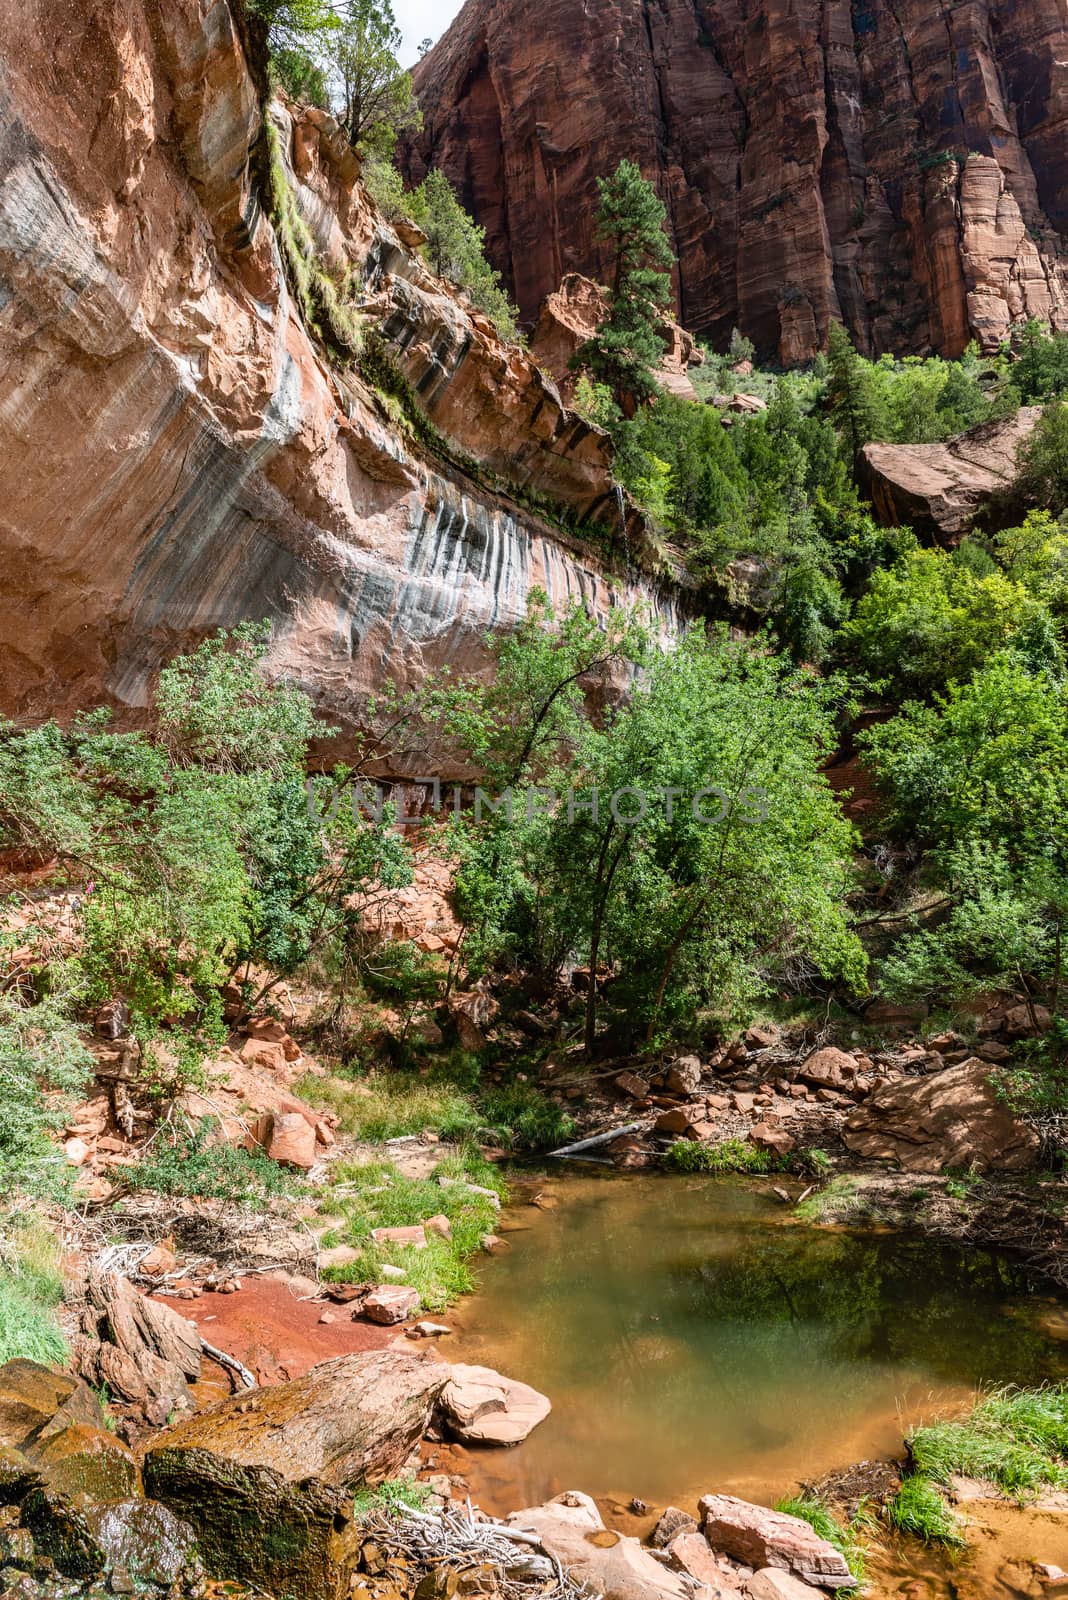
pixel 626 349
pixel 851 394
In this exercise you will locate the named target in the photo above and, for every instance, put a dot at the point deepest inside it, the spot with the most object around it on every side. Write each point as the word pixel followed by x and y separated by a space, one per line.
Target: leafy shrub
pixel 203 1166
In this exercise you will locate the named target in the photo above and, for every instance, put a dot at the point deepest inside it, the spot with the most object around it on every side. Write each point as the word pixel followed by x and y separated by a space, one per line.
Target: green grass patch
pixel 525 1119
pixel 378 1196
pixel 733 1155
pixel 388 1105
pixel 31 1287
pixel 1014 1438
pixel 396 1494
pixel 919 1509
pixel 846 1538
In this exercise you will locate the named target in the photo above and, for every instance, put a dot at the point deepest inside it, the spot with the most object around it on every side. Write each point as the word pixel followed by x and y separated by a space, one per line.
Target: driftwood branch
pixel 232 1362
pixel 598 1139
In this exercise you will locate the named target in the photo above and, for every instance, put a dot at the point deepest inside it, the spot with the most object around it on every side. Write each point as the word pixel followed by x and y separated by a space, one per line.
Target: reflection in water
pixel 692 1337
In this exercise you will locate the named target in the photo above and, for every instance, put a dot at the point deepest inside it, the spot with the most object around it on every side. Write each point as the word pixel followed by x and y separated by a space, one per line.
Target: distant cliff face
pixel 176 454
pixel 899 164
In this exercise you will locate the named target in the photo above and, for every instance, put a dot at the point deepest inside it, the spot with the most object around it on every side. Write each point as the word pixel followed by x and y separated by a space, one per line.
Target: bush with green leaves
pixel 456 250
pixel 929 621
pixel 201 1164
pixel 199 849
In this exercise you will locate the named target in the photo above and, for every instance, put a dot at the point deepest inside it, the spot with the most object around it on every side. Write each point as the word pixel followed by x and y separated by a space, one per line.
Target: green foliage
pixel 322 301
pixel 202 1165
pixel 845 1538
pixel 525 1119
pixel 1041 373
pixel 732 1155
pixel 1014 1438
pixel 197 849
pixel 683 900
pixel 920 1510
pixel 385 186
pixel 1044 459
pixel 378 1196
pixel 31 1286
pixel 853 399
pixel 389 1105
pixel 294 25
pixel 43 1064
pixel 929 620
pixel 627 347
pixel 396 1495
pixel 377 102
pixel 456 250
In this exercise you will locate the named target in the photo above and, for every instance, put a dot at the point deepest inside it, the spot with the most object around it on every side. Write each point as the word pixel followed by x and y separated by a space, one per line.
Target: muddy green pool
pixel 693 1336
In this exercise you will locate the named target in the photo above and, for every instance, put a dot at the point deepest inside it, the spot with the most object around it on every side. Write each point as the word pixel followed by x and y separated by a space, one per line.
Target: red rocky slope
pixel 902 164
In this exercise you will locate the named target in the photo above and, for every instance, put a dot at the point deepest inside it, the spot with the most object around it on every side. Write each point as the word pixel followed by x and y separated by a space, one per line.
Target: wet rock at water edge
pixel 479 1406
pixel 146 1541
pixel 615 1566
pixel 763 1538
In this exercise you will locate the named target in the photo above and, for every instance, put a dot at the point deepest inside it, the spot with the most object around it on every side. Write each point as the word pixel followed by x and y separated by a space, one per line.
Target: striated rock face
pixel 941 489
pixel 899 164
pixel 177 456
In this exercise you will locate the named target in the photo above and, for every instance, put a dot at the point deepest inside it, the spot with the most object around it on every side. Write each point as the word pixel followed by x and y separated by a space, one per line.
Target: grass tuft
pixel 919 1509
pixel 1014 1438
pixel 378 1196
pixel 845 1538
pixel 31 1287
pixel 733 1155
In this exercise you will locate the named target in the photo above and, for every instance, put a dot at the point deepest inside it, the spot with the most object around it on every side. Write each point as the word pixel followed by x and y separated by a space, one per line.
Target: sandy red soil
pixel 276 1334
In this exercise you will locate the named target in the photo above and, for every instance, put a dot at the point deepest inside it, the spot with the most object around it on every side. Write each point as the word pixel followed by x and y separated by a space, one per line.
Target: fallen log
pixel 598 1139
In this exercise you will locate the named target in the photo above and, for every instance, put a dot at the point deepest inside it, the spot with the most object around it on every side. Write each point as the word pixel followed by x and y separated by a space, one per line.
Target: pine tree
pixel 854 401
pixel 626 349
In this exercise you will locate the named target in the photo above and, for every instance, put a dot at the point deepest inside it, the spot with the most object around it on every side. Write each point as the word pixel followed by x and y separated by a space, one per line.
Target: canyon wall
pixel 178 456
pixel 901 165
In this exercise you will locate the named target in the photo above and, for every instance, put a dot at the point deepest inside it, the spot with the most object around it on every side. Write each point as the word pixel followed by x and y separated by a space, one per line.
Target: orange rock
pixel 288 1138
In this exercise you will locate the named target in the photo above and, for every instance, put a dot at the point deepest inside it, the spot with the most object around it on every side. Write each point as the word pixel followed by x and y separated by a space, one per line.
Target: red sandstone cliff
pixel 176 453
pixel 900 164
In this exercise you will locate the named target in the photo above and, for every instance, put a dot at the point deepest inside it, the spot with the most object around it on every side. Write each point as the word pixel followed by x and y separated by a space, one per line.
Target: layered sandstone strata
pixel 899 164
pixel 177 454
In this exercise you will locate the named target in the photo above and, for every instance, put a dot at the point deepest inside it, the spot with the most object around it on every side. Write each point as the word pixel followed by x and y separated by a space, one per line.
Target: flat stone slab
pixel 480 1406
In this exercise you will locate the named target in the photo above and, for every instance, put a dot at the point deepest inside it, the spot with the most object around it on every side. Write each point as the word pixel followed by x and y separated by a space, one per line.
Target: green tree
pixel 627 347
pixel 295 25
pixel 929 620
pixel 852 396
pixel 455 248
pixel 377 101
pixel 980 778
pixel 1044 459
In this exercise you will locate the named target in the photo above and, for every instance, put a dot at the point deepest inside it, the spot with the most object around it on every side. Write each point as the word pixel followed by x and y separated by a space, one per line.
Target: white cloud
pixel 422 19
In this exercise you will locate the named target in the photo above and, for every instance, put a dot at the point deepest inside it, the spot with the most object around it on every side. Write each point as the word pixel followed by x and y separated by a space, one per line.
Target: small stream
pixel 693 1336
